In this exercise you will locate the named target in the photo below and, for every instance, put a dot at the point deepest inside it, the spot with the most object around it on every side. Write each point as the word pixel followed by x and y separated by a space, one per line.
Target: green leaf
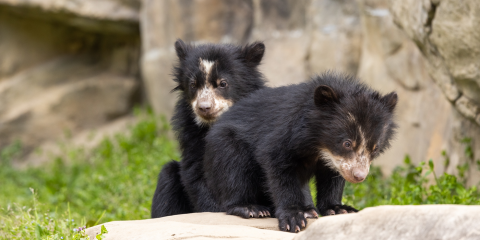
pixel 104 229
pixel 430 164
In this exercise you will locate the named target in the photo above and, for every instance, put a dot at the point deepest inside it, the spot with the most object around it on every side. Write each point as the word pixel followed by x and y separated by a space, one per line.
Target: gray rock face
pixel 307 37
pixel 335 38
pixel 444 31
pixel 392 62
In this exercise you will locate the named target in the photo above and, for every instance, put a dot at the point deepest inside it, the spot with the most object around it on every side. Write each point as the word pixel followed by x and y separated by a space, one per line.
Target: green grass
pixel 409 184
pixel 116 181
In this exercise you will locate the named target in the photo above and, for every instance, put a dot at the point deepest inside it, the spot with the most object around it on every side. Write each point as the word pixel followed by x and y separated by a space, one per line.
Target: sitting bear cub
pixel 261 154
pixel 210 79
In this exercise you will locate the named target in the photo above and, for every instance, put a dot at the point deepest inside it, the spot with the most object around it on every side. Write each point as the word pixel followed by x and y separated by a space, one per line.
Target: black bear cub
pixel 210 78
pixel 263 151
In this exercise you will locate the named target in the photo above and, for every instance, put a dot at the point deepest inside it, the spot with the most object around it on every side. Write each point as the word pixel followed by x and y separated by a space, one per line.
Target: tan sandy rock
pixel 194 226
pixel 383 222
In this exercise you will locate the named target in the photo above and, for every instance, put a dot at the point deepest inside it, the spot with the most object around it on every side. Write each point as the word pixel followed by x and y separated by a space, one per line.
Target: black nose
pixel 204 106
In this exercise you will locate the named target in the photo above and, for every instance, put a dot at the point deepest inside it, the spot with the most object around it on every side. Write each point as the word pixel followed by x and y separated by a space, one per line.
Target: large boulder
pixel 384 222
pixel 193 226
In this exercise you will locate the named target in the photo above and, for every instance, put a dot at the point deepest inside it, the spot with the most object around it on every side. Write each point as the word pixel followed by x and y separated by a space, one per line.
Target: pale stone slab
pixel 194 226
pixel 384 222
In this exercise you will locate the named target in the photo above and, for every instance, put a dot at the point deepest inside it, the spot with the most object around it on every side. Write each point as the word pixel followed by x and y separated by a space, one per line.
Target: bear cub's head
pixel 357 127
pixel 212 77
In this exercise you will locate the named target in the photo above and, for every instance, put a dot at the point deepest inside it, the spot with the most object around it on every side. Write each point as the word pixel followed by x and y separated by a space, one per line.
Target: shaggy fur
pixel 210 78
pixel 261 154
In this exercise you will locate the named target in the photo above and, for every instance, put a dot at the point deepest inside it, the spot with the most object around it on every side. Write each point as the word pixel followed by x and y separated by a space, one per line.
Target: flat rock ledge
pixel 384 222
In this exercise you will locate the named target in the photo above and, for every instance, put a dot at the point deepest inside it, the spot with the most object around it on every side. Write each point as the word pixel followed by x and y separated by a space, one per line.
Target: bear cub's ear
pixel 253 53
pixel 181 49
pixel 390 100
pixel 325 95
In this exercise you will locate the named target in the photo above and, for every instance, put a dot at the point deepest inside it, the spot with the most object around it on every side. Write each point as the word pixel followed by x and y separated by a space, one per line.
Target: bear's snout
pixel 359 175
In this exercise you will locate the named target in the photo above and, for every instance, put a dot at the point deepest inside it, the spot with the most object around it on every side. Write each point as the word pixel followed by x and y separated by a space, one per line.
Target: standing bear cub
pixel 210 79
pixel 262 153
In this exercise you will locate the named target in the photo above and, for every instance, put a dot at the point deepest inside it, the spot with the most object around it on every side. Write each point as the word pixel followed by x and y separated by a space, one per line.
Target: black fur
pixel 180 188
pixel 168 187
pixel 263 151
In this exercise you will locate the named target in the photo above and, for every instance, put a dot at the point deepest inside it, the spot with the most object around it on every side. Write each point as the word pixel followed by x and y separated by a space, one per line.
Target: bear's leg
pixel 205 201
pixel 310 210
pixel 244 184
pixel 192 177
pixel 330 186
pixel 234 177
pixel 289 197
pixel 169 197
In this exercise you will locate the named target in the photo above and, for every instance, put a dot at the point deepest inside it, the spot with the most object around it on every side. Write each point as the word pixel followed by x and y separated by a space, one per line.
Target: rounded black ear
pixel 390 100
pixel 324 94
pixel 181 49
pixel 253 53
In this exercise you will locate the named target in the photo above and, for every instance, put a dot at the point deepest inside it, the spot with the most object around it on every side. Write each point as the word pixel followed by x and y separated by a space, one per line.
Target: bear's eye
pixel 192 84
pixel 223 84
pixel 347 145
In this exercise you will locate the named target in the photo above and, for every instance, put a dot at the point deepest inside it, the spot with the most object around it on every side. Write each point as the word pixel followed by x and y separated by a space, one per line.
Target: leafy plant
pixel 29 223
pixel 410 184
pixel 103 231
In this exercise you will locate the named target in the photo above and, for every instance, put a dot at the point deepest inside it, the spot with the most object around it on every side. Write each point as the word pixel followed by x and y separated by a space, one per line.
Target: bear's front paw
pixel 250 211
pixel 337 209
pixel 292 220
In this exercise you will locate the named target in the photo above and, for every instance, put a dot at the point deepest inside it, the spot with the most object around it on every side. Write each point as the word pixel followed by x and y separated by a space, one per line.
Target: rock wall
pixel 65 66
pixel 302 37
pixel 391 62
pixel 162 22
pixel 445 32
pixel 309 36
